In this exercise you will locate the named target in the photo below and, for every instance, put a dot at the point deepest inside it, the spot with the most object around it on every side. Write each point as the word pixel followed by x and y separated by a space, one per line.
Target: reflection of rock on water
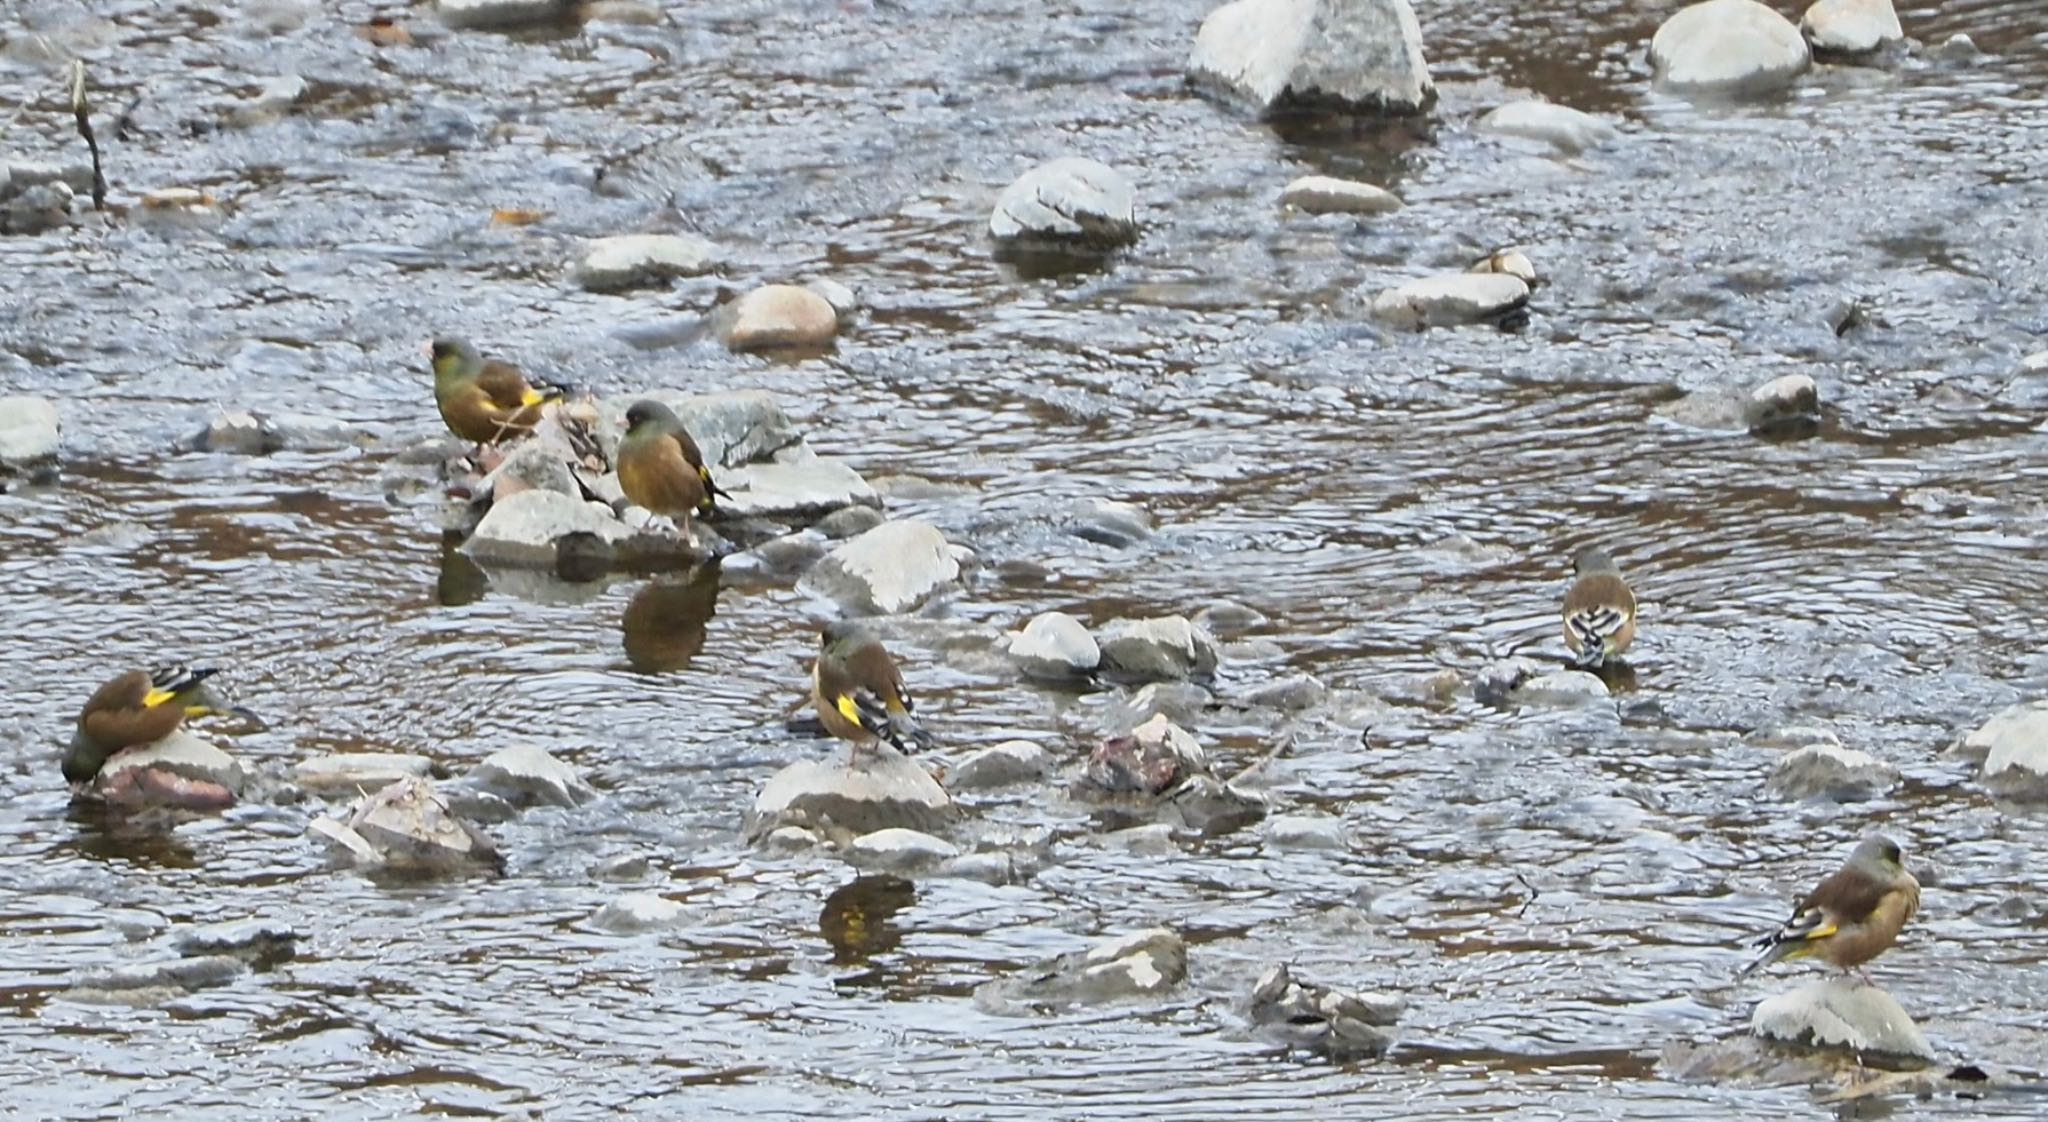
pixel 857 917
pixel 665 621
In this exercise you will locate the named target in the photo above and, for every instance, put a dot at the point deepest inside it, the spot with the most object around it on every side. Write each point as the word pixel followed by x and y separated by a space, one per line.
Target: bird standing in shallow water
pixel 1851 917
pixel 484 400
pixel 1599 611
pixel 859 693
pixel 139 707
pixel 661 467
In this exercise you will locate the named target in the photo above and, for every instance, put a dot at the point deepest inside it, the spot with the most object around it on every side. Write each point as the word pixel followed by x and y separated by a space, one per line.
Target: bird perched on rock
pixel 859 693
pixel 484 400
pixel 139 707
pixel 661 467
pixel 1851 917
pixel 1599 611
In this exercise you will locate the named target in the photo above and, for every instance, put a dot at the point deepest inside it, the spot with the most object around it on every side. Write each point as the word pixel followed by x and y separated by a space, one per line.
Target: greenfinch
pixel 1852 916
pixel 859 693
pixel 484 400
pixel 1599 611
pixel 661 468
pixel 138 707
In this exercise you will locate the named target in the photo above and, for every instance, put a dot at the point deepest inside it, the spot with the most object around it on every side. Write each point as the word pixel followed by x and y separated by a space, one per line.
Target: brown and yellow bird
pixel 1599 611
pixel 859 693
pixel 139 707
pixel 484 400
pixel 661 468
pixel 1851 917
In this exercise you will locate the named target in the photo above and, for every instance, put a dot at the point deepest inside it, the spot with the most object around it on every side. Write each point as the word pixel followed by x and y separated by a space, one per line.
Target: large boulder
pixel 1841 1013
pixel 1453 299
pixel 1728 47
pixel 1143 964
pixel 1850 27
pixel 1559 126
pixel 2014 747
pixel 29 433
pixel 1345 54
pixel 1055 647
pixel 1159 649
pixel 885 789
pixel 1068 200
pixel 892 568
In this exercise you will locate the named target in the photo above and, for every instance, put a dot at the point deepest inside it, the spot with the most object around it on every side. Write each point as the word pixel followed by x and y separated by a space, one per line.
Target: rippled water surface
pixel 1560 892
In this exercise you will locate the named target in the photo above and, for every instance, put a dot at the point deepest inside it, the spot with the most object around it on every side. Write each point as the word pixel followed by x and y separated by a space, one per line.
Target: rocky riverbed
pixel 1490 889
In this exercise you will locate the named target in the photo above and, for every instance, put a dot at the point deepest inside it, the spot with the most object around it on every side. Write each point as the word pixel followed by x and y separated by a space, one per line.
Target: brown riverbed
pixel 1391 505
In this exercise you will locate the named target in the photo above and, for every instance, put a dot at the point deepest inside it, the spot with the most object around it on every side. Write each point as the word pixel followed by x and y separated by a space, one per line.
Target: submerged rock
pixel 1355 55
pixel 892 568
pixel 529 775
pixel 1306 831
pixel 1321 194
pixel 1790 403
pixel 1012 761
pixel 1159 649
pixel 154 982
pixel 1850 27
pixel 252 940
pixel 1139 965
pixel 1559 126
pixel 1831 771
pixel 352 771
pixel 29 432
pixel 1056 647
pixel 1111 523
pixel 885 789
pixel 1728 47
pixel 1068 200
pixel 1339 1024
pixel 629 260
pixel 1841 1013
pixel 638 912
pixel 407 826
pixel 776 315
pixel 530 527
pixel 1454 299
pixel 2014 747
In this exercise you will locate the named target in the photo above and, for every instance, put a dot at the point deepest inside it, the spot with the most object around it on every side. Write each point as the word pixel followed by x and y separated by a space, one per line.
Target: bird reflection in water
pixel 857 920
pixel 665 621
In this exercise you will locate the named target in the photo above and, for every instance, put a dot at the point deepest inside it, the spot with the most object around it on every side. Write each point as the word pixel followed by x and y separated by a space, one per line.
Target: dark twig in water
pixel 1533 894
pixel 83 113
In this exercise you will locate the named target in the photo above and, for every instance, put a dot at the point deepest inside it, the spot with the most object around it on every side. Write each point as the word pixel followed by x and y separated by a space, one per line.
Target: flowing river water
pixel 1560 893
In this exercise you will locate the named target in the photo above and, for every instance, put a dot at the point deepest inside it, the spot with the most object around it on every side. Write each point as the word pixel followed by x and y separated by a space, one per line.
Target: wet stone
pixel 500 15
pixel 1340 1024
pixel 638 912
pixel 1841 1013
pixel 29 432
pixel 1143 964
pixel 529 775
pixel 180 770
pixel 1358 55
pixel 892 568
pixel 850 521
pixel 1833 772
pixel 1728 47
pixel 1012 761
pixel 160 981
pixel 1110 523
pixel 1453 299
pixel 805 488
pixel 1054 646
pixel 2014 747
pixel 1306 831
pixel 1154 758
pixel 1783 405
pixel 1322 194
pixel 407 825
pixel 885 789
pixel 845 302
pixel 900 851
pixel 1068 200
pixel 631 260
pixel 531 465
pixel 1850 27
pixel 1161 648
pixel 1562 687
pixel 526 528
pixel 1562 127
pixel 1498 681
pixel 354 771
pixel 39 209
pixel 776 315
pixel 253 940
pixel 1292 694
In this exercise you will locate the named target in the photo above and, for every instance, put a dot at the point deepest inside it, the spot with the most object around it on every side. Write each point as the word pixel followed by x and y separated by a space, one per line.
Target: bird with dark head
pixel 859 693
pixel 661 468
pixel 1599 611
pixel 1852 916
pixel 484 400
pixel 138 707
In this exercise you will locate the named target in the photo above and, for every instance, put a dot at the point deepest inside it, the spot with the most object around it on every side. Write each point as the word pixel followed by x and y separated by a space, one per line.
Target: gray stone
pixel 782 556
pixel 776 315
pixel 1841 1013
pixel 1562 687
pixel 29 432
pixel 1159 649
pixel 1054 646
pixel 525 529
pixel 1012 761
pixel 1832 772
pixel 1850 26
pixel 1151 760
pixel 731 428
pixel 355 771
pixel 807 488
pixel 407 826
pixel 849 522
pixel 1451 299
pixel 1143 964
pixel 529 775
pixel 892 568
pixel 630 260
pixel 1728 47
pixel 44 207
pixel 1211 807
pixel 1306 831
pixel 1184 702
pixel 237 433
pixel 1111 523
pixel 75 175
pixel 791 839
pixel 1071 199
pixel 1559 126
pixel 1292 694
pixel 157 981
pixel 638 912
pixel 503 14
pixel 180 753
pixel 845 302
pixel 1781 403
pixel 2014 747
pixel 531 465
pixel 1153 839
pixel 1353 54
pixel 246 939
pixel 1959 48
pixel 901 851
pixel 885 789
pixel 1321 194
pixel 1340 1024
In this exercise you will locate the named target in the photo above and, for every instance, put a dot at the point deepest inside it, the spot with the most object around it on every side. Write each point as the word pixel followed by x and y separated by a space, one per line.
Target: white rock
pixel 1450 299
pixel 358 770
pixel 501 14
pixel 636 912
pixel 1069 199
pixel 1163 648
pixel 2014 747
pixel 1142 964
pixel 524 528
pixel 776 315
pixel 1153 839
pixel 2036 363
pixel 1841 1013
pixel 806 488
pixel 1788 400
pixel 180 753
pixel 890 569
pixel 1851 26
pixel 900 851
pixel 612 264
pixel 791 839
pixel 29 432
pixel 1832 771
pixel 1359 54
pixel 845 301
pixel 527 774
pixel 1306 831
pixel 1559 126
pixel 1056 647
pixel 1562 687
pixel 886 789
pixel 1012 761
pixel 1728 46
pixel 1322 194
